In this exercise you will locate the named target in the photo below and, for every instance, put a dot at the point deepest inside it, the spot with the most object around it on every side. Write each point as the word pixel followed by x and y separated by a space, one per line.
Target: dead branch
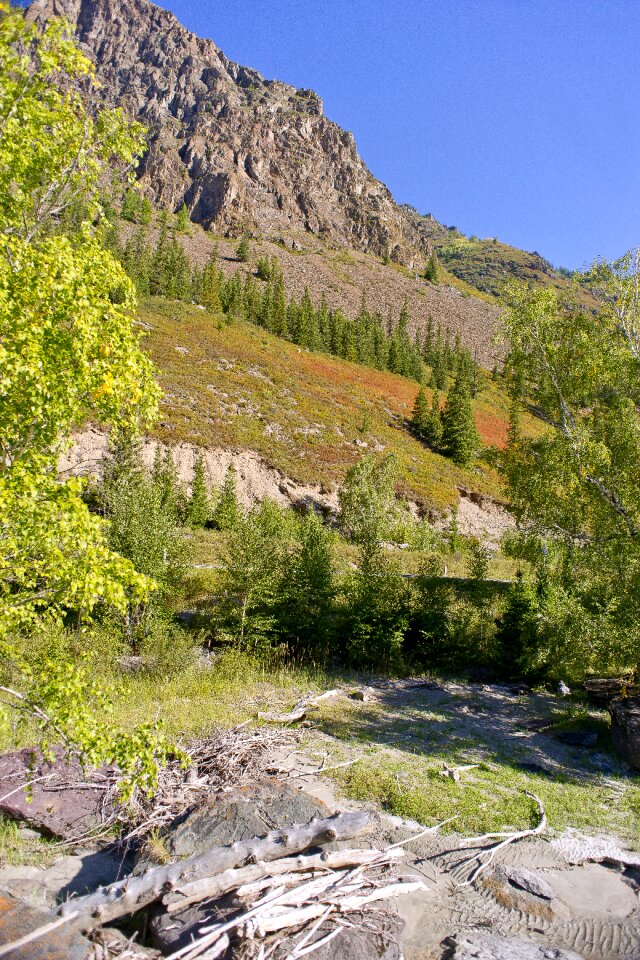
pixel 130 895
pixel 486 856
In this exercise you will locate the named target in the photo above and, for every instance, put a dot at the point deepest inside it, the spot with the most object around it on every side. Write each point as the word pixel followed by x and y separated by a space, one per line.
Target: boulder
pixel 53 805
pixel 18 919
pixel 354 943
pixel 530 882
pixel 479 945
pixel 69 876
pixel 602 690
pixel 585 737
pixel 239 814
pixel 625 729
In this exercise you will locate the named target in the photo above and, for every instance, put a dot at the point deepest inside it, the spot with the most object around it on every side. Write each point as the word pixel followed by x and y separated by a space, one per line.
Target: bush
pixel 167 650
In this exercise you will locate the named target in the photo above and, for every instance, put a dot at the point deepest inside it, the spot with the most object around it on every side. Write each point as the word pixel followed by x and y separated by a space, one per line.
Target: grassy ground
pixel 310 415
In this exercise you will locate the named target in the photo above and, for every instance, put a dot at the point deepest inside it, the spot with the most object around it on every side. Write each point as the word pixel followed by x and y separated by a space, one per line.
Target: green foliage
pixel 460 438
pixel 478 559
pixel 53 153
pixel 432 271
pixel 368 507
pixel 227 511
pixel 136 209
pixel 199 506
pixel 183 221
pixel 578 485
pixel 243 251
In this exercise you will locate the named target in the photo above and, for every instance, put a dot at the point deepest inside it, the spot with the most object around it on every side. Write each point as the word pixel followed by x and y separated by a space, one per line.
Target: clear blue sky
pixel 511 118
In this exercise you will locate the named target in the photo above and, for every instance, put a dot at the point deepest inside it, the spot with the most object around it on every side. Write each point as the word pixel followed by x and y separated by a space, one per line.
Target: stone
pixel 239 814
pixel 530 882
pixel 479 945
pixel 582 737
pixel 625 729
pixel 52 805
pixel 68 876
pixel 18 919
pixel 602 690
pixel 356 943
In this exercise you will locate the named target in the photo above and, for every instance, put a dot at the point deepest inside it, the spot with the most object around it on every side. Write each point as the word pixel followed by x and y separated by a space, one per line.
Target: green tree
pixel 68 350
pixel 420 414
pixel 432 270
pixel 460 439
pixel 478 562
pixel 183 221
pixel 243 251
pixel 368 508
pixel 578 485
pixel 199 506
pixel 227 512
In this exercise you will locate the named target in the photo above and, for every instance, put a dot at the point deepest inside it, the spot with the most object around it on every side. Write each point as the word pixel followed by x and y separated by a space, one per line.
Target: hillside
pixel 306 415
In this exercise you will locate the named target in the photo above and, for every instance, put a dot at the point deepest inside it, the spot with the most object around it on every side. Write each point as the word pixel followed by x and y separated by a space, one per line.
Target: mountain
pixel 243 153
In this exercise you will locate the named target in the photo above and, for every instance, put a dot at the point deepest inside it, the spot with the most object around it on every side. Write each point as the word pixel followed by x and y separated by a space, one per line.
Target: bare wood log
pixel 292 717
pixel 132 894
pixel 210 888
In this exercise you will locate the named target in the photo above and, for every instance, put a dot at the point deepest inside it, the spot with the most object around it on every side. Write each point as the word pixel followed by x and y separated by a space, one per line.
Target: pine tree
pixel 460 438
pixel 243 251
pixel 420 414
pixel 432 271
pixel 227 511
pixel 130 206
pixel 433 425
pixel 199 506
pixel 145 212
pixel 183 220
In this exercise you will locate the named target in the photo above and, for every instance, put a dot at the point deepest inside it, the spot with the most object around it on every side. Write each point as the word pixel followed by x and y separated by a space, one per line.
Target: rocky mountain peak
pixel 244 153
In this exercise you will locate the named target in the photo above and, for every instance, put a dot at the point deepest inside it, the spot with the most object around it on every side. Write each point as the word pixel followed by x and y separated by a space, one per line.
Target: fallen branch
pixel 132 894
pixel 297 714
pixel 504 839
pixel 210 888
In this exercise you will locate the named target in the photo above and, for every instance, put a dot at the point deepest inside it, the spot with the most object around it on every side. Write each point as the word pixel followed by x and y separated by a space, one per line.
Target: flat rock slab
pixel 68 876
pixel 379 939
pixel 60 802
pixel 479 945
pixel 625 729
pixel 18 919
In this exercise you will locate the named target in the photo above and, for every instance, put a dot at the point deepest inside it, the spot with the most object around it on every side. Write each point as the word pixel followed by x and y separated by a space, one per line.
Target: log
pixel 210 888
pixel 133 893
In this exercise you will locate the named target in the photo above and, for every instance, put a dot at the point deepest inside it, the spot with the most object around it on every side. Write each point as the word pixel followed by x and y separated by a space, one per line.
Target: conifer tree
pixel 432 272
pixel 420 414
pixel 243 251
pixel 433 426
pixel 199 506
pixel 460 438
pixel 130 206
pixel 183 220
pixel 227 511
pixel 145 212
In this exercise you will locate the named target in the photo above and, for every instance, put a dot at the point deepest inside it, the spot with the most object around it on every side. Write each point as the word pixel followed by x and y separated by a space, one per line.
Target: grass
pixel 19 850
pixel 238 387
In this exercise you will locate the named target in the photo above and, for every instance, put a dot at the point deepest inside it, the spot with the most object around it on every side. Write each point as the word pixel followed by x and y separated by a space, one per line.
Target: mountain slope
pixel 242 152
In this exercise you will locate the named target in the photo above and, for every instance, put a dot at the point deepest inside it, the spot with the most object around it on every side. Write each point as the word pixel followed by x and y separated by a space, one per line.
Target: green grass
pixel 17 850
pixel 241 388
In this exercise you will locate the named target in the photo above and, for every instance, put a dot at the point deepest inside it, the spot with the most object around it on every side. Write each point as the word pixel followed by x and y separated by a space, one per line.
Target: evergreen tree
pixel 432 271
pixel 243 251
pixel 183 220
pixel 432 433
pixel 145 212
pixel 211 286
pixel 199 506
pixel 460 438
pixel 130 205
pixel 420 414
pixel 227 512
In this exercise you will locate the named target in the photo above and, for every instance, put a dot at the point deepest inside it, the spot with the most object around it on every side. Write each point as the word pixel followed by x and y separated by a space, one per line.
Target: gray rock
pixel 530 882
pixel 479 945
pixel 584 737
pixel 242 813
pixel 356 943
pixel 18 919
pixel 67 877
pixel 625 729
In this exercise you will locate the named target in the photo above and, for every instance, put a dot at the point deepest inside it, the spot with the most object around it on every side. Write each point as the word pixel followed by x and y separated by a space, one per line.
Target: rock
pixel 583 737
pixel 53 806
pixel 356 943
pixel 530 882
pixel 479 945
pixel 67 877
pixel 18 919
pixel 625 729
pixel 603 690
pixel 245 812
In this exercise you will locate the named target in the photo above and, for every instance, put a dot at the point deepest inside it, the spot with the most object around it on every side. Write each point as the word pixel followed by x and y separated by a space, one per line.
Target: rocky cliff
pixel 243 153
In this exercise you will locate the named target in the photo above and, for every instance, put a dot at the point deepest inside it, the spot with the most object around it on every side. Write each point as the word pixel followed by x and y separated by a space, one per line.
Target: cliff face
pixel 242 152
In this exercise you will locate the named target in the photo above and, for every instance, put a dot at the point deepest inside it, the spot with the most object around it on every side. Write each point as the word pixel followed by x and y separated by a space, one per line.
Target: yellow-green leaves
pixel 54 151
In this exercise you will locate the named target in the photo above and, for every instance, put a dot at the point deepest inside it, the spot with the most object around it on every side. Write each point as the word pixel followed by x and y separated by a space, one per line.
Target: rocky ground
pixel 555 893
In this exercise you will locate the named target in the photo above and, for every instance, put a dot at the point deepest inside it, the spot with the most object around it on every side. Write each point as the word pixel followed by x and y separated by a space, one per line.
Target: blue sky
pixel 509 118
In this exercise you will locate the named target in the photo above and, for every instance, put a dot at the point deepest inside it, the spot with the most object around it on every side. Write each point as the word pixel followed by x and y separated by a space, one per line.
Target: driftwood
pixel 132 894
pixel 210 888
pixel 299 712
